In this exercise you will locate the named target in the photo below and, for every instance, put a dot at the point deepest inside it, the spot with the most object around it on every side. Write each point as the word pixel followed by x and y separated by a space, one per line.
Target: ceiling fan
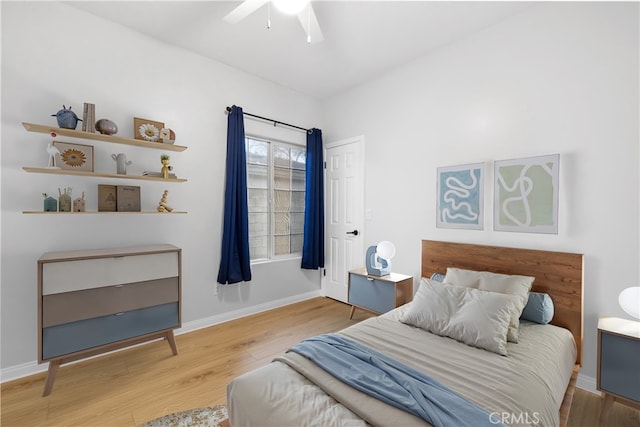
pixel 301 8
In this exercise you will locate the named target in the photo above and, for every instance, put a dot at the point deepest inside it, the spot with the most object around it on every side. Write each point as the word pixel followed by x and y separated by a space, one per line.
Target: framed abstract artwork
pixel 460 197
pixel 77 157
pixel 526 194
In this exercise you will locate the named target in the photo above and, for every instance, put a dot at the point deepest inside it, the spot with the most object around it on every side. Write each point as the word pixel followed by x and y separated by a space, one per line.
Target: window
pixel 275 189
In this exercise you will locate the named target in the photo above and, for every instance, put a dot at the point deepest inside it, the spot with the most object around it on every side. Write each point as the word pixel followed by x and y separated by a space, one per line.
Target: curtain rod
pixel 275 122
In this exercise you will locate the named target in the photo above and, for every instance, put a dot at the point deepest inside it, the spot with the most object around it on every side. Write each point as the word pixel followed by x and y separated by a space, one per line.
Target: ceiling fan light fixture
pixel 290 7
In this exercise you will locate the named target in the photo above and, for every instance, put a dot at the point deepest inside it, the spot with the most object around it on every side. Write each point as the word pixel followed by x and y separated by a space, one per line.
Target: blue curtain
pixel 313 243
pixel 235 262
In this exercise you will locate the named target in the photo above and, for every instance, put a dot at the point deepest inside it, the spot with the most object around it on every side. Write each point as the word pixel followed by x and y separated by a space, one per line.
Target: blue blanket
pixel 392 382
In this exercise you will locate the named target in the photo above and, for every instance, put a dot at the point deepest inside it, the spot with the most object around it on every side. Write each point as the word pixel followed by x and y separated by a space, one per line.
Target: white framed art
pixel 526 194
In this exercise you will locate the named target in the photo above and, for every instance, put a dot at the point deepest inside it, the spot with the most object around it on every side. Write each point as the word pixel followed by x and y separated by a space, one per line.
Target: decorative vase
pixel 121 163
pixel 106 127
pixel 165 169
pixel 67 119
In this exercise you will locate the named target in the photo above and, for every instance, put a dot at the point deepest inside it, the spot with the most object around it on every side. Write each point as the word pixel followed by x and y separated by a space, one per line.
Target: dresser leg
pixel 51 376
pixel 353 310
pixel 172 342
pixel 607 403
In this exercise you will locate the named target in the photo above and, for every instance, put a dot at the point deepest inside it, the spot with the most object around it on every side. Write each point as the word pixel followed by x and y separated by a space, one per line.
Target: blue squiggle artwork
pixel 460 200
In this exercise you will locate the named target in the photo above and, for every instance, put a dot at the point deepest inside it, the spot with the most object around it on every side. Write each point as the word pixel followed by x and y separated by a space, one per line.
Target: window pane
pixel 257 151
pixel 282 178
pixel 298 158
pixel 297 201
pixel 281 245
pixel 258 201
pixel 298 180
pixel 281 201
pixel 281 156
pixel 296 223
pixel 296 243
pixel 257 176
pixel 281 223
pixel 258 247
pixel 258 224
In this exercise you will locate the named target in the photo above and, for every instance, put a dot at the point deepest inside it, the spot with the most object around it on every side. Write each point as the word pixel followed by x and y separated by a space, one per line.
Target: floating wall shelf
pixel 98 174
pixel 100 137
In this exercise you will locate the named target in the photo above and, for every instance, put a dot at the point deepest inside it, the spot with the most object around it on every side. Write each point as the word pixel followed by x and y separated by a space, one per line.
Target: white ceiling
pixel 362 39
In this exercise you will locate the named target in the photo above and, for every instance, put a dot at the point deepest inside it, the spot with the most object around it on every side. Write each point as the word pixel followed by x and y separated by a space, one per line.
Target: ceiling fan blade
pixel 310 24
pixel 245 9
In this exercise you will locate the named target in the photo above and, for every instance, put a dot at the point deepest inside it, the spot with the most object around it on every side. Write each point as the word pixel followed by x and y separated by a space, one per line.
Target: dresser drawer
pixel 618 364
pixel 70 337
pixel 73 306
pixel 69 276
pixel 373 294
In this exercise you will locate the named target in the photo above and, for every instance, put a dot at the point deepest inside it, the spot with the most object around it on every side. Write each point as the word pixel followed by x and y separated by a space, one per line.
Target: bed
pixel 532 384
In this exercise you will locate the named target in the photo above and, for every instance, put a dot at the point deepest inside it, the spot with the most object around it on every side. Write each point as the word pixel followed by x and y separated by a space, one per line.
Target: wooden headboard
pixel 558 274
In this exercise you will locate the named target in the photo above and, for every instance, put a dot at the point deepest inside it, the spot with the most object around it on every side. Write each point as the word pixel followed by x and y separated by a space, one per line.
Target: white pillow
pixel 494 282
pixel 474 317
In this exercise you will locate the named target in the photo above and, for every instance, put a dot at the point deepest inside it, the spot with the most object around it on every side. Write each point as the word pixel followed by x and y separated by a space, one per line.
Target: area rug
pixel 212 416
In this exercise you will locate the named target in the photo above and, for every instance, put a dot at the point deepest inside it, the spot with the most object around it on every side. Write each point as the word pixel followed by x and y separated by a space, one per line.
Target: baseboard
pixel 587 383
pixel 31 368
pixel 236 314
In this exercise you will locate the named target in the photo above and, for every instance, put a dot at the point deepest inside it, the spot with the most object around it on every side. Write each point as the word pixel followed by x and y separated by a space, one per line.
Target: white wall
pixel 558 78
pixel 54 54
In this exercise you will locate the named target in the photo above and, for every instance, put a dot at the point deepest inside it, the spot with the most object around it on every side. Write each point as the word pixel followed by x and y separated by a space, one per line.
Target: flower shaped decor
pixel 147 130
pixel 73 157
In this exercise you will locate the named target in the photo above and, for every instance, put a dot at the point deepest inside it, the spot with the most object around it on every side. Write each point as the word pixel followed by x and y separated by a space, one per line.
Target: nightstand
pixel 618 363
pixel 378 294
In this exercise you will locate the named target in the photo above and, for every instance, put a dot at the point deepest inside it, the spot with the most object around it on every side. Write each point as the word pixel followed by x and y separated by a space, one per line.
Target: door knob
pixel 354 232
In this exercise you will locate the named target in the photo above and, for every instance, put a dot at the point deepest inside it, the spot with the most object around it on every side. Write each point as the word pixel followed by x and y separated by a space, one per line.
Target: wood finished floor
pixel 130 387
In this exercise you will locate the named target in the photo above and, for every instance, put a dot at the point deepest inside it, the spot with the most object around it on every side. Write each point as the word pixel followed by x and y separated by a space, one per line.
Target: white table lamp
pixel 629 300
pixel 378 258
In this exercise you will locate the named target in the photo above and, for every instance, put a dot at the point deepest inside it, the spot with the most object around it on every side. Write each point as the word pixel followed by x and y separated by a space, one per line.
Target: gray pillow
pixel 494 282
pixel 472 316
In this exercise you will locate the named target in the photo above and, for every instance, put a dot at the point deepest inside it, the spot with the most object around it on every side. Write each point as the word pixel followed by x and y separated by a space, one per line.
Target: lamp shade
pixel 629 300
pixel 386 250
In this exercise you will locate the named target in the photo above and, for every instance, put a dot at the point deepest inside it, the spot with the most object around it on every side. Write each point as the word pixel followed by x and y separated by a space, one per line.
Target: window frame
pixel 271 188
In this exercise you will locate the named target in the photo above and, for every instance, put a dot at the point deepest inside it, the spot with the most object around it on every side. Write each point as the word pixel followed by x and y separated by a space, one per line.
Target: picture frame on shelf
pixel 128 198
pixel 147 130
pixel 77 157
pixel 107 198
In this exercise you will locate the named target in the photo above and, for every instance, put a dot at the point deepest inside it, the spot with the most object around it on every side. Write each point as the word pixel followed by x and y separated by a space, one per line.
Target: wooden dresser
pixel 94 301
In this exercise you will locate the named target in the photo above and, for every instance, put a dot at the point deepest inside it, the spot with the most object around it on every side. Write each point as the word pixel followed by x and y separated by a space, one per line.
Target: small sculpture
pixel 52 150
pixel 164 159
pixel 121 163
pixel 78 204
pixel 167 136
pixel 67 119
pixel 162 206
pixel 106 127
pixel 50 204
pixel 64 200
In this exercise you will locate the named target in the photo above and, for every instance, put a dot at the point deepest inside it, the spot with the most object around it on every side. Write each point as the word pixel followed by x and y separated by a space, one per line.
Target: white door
pixel 344 214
